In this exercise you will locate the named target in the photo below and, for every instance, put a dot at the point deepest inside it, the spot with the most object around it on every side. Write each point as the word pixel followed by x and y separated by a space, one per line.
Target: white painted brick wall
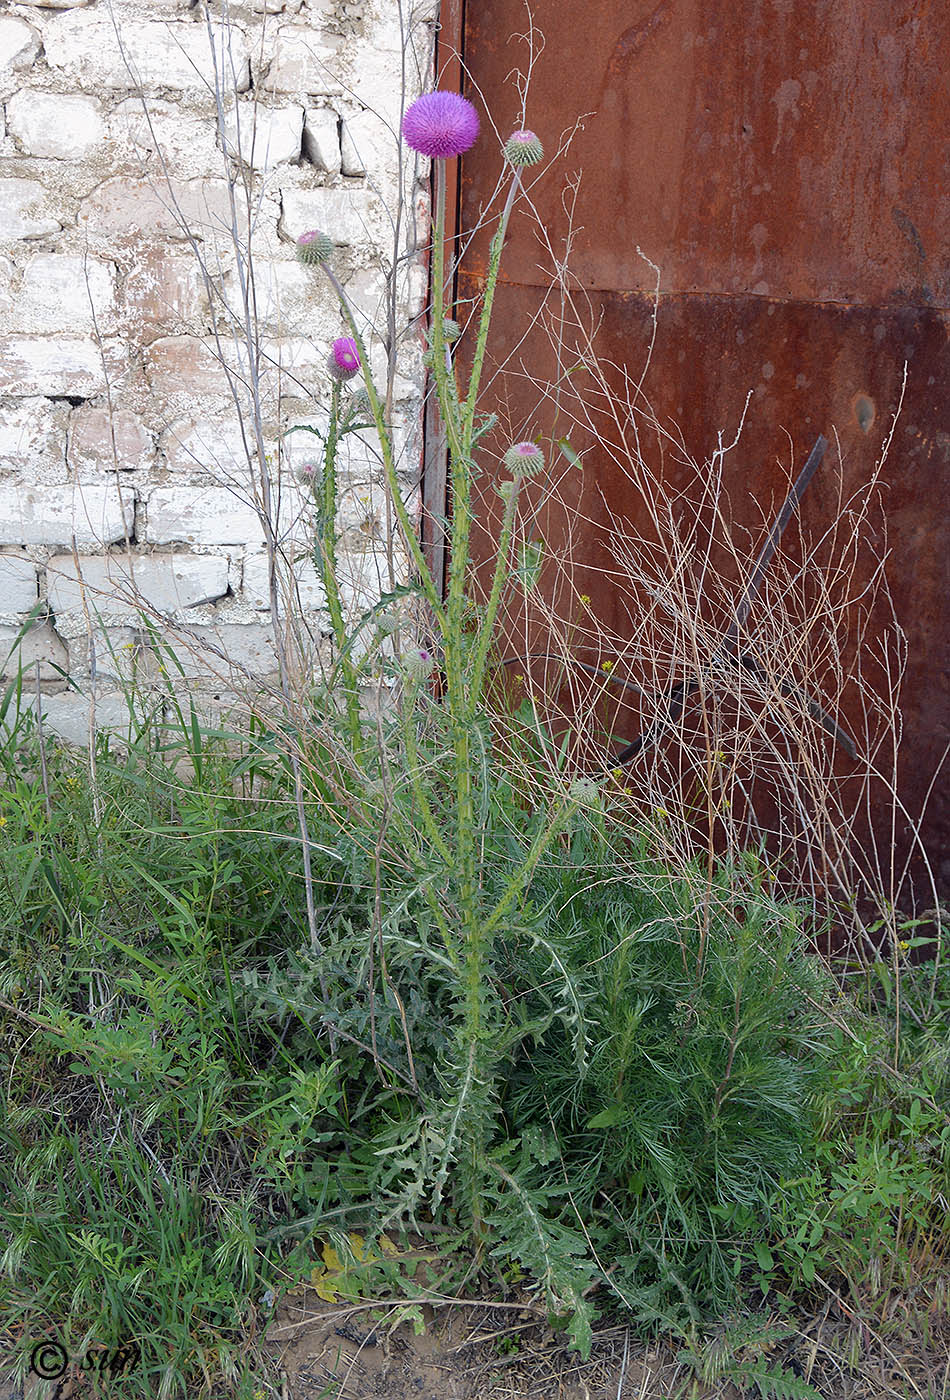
pixel 119 435
pixel 54 515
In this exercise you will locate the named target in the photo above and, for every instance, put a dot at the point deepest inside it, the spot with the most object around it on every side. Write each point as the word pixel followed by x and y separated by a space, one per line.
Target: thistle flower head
pixel 343 361
pixel 418 663
pixel 524 458
pixel 308 473
pixel 314 247
pixel 523 148
pixel 440 125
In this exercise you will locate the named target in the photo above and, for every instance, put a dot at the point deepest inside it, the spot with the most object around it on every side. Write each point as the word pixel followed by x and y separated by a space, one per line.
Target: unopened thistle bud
pixel 308 473
pixel 523 148
pixel 314 247
pixel 451 330
pixel 343 361
pixel 360 405
pixel 505 489
pixel 417 663
pixel 524 458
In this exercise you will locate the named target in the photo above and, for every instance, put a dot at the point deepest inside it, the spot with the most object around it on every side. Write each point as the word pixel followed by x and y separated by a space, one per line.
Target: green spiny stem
pixel 328 565
pixel 494 597
pixel 418 792
pixel 538 847
pixel 494 264
pixel 410 535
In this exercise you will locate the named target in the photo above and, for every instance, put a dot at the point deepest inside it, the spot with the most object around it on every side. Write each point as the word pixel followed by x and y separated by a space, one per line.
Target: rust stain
pixel 784 165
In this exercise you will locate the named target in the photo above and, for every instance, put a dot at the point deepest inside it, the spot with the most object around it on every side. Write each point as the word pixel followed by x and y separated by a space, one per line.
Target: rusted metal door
pixel 785 164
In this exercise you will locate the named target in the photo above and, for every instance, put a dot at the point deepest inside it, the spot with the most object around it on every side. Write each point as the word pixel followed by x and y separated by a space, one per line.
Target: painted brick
pixel 58 292
pixel 299 585
pixel 200 515
pixel 23 210
pixel 83 48
pixel 51 515
pixel 33 435
pixel 185 363
pixel 52 124
pixel 289 297
pixel 321 139
pixel 223 654
pixel 302 63
pixel 368 146
pixel 39 645
pixel 351 216
pixel 17 584
pixel 64 365
pixel 99 439
pixel 163 292
pixel 209 444
pixel 67 715
pixel 167 583
pixel 263 137
pixel 19 45
pixel 128 210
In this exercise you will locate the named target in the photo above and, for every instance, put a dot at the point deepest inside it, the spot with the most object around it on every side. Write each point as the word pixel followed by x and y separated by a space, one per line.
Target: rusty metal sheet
pixel 784 163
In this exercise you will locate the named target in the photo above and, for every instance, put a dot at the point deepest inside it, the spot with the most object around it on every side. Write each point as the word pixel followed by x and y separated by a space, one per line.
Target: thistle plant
pixel 441 126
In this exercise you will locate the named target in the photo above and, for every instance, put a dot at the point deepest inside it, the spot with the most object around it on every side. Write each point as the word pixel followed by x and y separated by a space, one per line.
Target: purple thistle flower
pixel 343 362
pixel 440 124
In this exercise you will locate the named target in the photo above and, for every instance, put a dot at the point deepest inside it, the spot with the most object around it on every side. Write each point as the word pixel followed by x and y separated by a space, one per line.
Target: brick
pixel 200 515
pixel 353 216
pixel 299 584
pixel 33 435
pixel 48 124
pixel 263 137
pixel 224 654
pixel 289 297
pixel 51 515
pixel 83 47
pixel 128 210
pixel 206 444
pixel 301 63
pixel 117 588
pixel 67 715
pixel 60 292
pixel 368 146
pixel 186 142
pixel 321 139
pixel 19 46
pixel 99 439
pixel 58 4
pixel 18 591
pixel 40 644
pixel 185 364
pixel 60 366
pixel 163 292
pixel 23 210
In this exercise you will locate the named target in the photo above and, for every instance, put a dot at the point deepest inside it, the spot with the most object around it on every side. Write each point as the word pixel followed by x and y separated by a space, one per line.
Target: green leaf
pixel 568 451
pixel 763 1256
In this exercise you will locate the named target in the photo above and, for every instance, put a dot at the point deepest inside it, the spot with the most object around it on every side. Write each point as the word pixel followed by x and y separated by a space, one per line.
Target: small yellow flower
pixel 903 945
pixel 607 667
pixel 585 600
pixel 660 812
pixel 3 822
pixel 518 680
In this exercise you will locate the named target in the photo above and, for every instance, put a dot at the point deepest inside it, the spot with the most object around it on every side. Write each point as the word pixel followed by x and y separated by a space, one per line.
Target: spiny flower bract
pixel 343 362
pixel 524 458
pixel 440 125
pixel 523 148
pixel 314 247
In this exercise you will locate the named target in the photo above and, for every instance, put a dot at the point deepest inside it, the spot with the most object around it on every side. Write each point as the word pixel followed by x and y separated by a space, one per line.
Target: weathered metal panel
pixel 784 163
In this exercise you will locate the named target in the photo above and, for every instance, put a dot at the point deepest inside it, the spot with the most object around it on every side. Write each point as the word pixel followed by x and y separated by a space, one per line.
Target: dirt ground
pixel 506 1351
pixel 497 1352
